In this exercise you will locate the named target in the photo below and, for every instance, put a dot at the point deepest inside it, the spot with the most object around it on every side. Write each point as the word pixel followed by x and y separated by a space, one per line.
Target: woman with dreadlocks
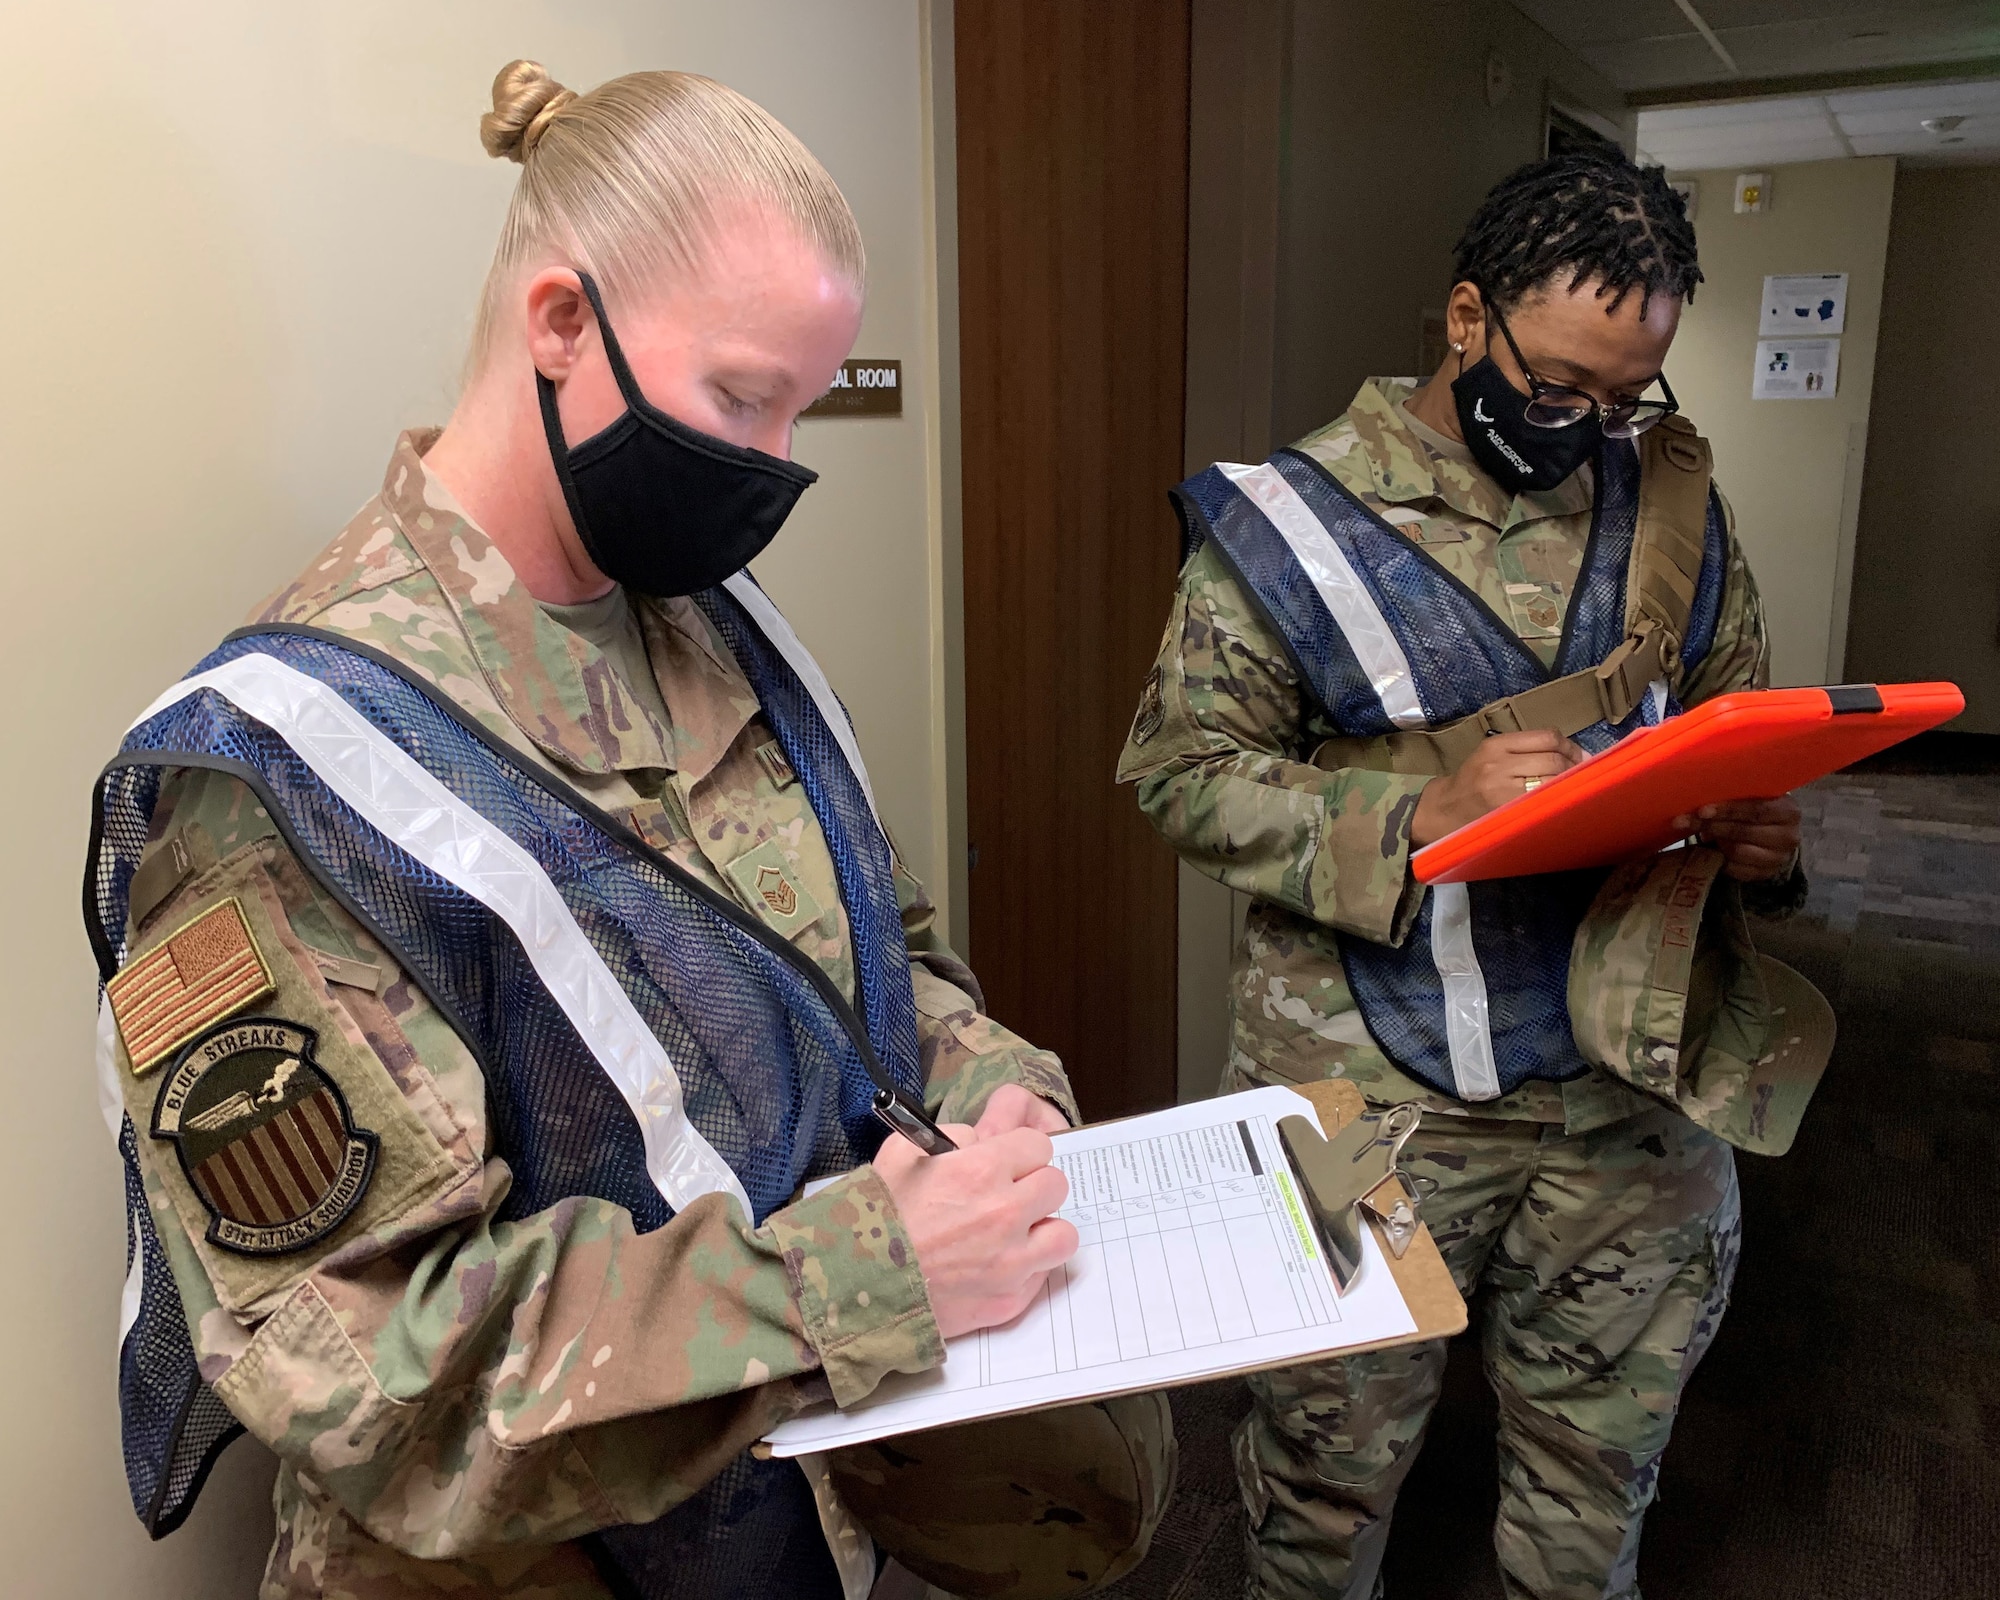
pixel 1443 599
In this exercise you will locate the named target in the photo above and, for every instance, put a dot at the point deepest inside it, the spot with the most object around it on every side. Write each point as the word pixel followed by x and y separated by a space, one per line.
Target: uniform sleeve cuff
pixel 1037 1071
pixel 1362 883
pixel 967 1055
pixel 860 1292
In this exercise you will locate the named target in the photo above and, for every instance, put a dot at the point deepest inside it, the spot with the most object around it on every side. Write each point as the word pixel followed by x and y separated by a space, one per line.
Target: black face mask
pixel 1515 453
pixel 661 507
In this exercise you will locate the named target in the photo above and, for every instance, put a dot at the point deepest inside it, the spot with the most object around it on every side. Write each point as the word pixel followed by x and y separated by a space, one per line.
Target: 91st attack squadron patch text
pixel 264 1136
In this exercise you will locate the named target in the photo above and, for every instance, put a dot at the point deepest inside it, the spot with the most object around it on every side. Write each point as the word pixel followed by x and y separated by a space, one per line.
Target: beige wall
pixel 1790 468
pixel 1337 149
pixel 243 242
pixel 1389 146
pixel 1927 554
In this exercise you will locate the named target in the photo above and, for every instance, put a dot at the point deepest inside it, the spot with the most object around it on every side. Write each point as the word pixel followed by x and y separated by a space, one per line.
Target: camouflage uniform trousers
pixel 1039 1507
pixel 1604 1260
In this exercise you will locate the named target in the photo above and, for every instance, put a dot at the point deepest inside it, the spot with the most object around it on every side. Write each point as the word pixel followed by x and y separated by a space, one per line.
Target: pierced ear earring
pixel 1459 348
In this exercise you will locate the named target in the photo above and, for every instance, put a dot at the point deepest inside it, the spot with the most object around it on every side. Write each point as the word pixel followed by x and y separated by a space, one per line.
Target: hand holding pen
pixel 981 1216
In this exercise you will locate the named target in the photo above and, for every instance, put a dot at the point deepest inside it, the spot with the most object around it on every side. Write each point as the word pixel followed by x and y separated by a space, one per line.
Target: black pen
pixel 903 1115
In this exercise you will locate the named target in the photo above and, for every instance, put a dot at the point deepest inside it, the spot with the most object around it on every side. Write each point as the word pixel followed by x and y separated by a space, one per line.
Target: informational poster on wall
pixel 1796 369
pixel 1807 305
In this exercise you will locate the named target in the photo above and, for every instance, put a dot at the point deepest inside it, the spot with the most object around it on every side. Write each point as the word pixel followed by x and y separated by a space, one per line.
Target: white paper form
pixel 1196 1258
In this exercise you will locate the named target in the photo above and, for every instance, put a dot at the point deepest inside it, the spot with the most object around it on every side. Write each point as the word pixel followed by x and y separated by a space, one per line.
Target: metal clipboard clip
pixel 1355 1172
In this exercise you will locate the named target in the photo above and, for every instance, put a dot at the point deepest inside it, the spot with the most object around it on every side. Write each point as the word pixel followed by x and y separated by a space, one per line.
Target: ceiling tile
pixel 1658 62
pixel 1845 16
pixel 1923 149
pixel 1648 44
pixel 1748 154
pixel 1732 113
pixel 1856 122
pixel 1582 24
pixel 1876 121
pixel 1920 99
pixel 1783 49
pixel 1722 139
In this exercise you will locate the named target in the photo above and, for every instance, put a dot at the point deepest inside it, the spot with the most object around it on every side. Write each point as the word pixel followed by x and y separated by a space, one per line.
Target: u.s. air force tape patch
pixel 264 1136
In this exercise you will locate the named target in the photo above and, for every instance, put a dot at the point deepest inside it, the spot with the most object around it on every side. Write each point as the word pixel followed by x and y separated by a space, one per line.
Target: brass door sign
pixel 862 389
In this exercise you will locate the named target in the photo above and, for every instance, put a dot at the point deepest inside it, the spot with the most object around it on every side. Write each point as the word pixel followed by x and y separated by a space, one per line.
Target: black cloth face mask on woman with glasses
pixel 1534 441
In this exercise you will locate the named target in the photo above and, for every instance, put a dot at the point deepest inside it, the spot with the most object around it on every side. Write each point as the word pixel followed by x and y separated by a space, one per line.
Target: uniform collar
pixel 1404 469
pixel 556 686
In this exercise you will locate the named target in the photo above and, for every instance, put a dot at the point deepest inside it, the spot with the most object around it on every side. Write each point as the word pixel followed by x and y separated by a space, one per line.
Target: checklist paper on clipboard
pixel 1197 1258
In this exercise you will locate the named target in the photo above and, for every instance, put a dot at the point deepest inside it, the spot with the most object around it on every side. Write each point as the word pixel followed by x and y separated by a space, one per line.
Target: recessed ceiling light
pixel 1940 124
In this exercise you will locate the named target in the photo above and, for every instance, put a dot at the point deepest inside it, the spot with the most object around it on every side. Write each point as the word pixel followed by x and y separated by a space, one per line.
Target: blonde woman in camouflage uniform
pixel 485 932
pixel 1576 1148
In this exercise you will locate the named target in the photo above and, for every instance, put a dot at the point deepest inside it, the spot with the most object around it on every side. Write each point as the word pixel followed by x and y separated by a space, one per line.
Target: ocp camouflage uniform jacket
pixel 444 1382
pixel 1222 746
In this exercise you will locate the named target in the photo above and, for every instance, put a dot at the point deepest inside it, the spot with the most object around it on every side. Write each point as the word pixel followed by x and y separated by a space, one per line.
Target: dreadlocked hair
pixel 1592 214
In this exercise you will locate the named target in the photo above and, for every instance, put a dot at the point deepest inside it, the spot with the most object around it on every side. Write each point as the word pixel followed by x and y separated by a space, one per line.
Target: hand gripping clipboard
pixel 1620 805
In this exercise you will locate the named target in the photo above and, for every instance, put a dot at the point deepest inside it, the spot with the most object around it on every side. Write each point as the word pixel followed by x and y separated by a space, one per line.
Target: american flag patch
pixel 201 973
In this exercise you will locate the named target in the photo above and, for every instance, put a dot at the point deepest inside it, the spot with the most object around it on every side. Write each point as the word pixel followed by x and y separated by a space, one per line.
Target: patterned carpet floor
pixel 1842 1440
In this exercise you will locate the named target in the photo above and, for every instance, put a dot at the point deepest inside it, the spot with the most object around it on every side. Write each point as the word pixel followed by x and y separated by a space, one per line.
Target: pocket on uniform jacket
pixel 260 1103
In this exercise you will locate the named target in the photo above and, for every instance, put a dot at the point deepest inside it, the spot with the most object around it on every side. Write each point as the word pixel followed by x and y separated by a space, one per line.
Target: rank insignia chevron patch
pixel 264 1136
pixel 199 973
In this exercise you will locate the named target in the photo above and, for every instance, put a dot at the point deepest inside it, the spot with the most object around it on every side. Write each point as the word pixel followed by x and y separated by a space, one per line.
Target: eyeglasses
pixel 1555 405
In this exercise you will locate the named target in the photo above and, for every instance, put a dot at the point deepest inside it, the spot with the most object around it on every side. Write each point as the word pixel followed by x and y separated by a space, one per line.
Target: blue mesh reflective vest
pixel 777 1073
pixel 1475 1000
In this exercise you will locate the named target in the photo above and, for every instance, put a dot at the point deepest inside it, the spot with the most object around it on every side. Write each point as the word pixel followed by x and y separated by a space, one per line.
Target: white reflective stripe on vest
pixel 772 621
pixel 1345 596
pixel 414 811
pixel 1467 1029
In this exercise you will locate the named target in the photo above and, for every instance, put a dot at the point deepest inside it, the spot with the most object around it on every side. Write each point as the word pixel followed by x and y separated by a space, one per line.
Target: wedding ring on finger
pixel 1529 785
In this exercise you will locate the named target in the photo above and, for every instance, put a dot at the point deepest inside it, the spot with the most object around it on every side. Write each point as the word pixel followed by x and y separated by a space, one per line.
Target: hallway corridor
pixel 1842 1438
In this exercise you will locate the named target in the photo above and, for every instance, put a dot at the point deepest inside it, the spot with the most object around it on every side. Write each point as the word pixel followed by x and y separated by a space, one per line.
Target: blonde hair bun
pixel 639 178
pixel 525 101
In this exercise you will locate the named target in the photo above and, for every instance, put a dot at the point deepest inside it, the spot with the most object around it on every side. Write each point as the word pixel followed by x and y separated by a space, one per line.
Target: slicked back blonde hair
pixel 628 180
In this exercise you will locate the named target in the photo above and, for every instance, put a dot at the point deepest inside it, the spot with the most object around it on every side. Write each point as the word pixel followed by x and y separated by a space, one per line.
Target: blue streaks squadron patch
pixel 264 1136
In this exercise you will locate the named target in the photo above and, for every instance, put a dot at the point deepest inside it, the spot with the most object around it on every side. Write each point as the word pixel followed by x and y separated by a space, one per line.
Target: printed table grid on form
pixel 1187 1240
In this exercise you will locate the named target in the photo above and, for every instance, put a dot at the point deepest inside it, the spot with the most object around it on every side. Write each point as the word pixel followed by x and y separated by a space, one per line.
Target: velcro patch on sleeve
pixel 280 1133
pixel 265 1136
pixel 207 969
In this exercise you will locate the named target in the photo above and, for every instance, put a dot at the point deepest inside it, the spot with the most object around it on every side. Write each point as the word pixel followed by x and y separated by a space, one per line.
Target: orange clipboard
pixel 1621 803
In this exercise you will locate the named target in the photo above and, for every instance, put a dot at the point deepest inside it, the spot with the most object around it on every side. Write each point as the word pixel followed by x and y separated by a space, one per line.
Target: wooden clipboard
pixel 1421 1275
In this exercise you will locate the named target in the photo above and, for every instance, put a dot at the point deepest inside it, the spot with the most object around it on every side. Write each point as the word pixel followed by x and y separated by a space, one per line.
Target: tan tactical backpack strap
pixel 1675 465
pixel 1669 538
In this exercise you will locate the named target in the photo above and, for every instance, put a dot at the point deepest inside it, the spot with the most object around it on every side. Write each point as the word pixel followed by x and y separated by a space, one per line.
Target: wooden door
pixel 1072 237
